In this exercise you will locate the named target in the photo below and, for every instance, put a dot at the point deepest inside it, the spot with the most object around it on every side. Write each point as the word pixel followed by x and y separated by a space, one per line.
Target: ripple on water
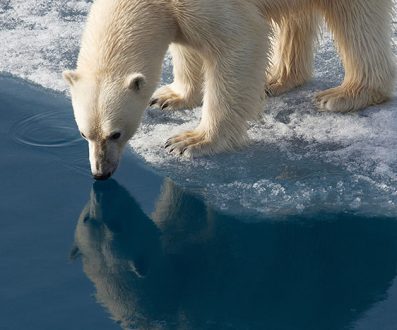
pixel 79 166
pixel 46 130
pixel 54 130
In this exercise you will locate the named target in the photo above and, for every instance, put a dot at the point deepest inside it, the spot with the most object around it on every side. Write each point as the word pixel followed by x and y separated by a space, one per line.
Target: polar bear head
pixel 108 111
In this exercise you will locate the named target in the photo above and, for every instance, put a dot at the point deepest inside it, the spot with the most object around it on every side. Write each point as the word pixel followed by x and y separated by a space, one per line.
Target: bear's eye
pixel 83 136
pixel 115 136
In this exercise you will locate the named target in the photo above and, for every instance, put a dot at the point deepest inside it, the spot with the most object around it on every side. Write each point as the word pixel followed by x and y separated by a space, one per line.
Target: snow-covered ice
pixel 300 161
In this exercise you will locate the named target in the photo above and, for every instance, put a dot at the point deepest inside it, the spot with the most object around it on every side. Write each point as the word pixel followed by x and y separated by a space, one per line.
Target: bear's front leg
pixel 223 125
pixel 233 96
pixel 185 91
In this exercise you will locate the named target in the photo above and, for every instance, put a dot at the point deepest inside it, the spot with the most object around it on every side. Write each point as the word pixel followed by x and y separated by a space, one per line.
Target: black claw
pixel 268 92
pixel 183 151
pixel 168 143
pixel 164 105
pixel 153 102
pixel 172 149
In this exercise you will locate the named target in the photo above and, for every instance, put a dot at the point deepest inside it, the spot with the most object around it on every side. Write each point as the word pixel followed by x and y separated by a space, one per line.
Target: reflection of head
pixel 210 270
pixel 117 242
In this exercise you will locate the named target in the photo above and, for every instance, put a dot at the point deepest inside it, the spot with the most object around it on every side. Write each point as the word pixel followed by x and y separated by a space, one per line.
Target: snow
pixel 300 161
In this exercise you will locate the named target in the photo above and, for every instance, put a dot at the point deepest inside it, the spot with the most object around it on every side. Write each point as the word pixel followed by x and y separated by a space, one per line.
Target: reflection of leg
pixel 362 32
pixel 173 215
pixel 185 91
pixel 168 204
pixel 233 94
pixel 293 53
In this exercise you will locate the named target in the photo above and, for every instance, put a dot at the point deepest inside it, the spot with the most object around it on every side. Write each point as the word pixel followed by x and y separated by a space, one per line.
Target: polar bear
pixel 221 53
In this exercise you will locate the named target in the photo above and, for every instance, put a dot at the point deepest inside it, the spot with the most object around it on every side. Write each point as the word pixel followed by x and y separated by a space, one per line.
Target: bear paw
pixel 168 99
pixel 191 144
pixel 341 99
pixel 276 87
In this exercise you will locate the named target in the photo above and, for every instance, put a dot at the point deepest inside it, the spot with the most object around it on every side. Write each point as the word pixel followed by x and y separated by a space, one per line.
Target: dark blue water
pixel 138 252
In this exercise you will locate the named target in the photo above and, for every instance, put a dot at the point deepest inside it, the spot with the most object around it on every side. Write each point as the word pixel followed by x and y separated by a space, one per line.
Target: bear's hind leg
pixel 185 92
pixel 362 32
pixel 293 51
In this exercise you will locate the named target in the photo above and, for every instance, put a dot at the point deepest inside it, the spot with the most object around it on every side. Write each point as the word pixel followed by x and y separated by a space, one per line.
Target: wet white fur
pixel 221 53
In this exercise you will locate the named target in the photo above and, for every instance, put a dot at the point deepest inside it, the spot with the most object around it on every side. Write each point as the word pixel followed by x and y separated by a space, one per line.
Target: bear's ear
pixel 136 81
pixel 71 77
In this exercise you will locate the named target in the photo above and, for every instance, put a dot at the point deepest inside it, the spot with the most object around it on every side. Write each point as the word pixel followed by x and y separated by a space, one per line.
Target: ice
pixel 300 161
pixel 40 38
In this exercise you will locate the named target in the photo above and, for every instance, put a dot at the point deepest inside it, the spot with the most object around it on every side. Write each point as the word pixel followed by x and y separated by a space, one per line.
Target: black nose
pixel 102 176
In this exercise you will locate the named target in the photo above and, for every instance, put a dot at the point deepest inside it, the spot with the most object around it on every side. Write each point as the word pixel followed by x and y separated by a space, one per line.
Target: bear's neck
pixel 124 37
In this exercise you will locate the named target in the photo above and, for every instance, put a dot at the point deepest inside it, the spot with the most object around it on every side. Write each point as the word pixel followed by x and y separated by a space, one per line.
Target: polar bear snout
pixel 102 177
pixel 104 159
pixel 103 172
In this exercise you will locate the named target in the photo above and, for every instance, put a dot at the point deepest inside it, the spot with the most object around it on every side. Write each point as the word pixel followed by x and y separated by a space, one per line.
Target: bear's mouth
pixel 102 177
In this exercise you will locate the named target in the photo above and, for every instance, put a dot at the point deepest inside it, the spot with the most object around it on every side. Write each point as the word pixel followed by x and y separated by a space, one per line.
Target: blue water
pixel 139 252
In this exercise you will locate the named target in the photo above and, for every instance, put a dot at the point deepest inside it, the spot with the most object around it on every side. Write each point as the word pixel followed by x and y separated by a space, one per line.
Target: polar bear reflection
pixel 190 268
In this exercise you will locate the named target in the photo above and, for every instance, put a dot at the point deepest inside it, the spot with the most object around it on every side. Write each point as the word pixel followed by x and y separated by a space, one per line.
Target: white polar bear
pixel 221 53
